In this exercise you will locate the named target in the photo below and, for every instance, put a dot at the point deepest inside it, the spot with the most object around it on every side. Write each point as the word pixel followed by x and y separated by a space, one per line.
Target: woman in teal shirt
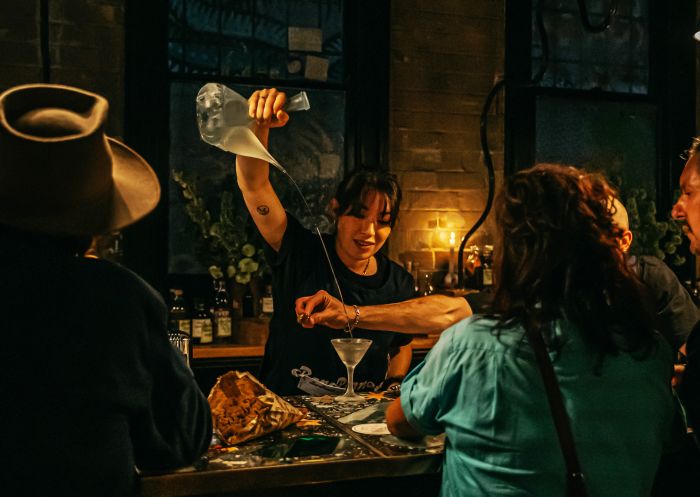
pixel 559 271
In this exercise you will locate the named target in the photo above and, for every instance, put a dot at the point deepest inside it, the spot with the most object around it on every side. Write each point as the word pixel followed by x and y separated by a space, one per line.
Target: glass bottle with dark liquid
pixel 221 313
pixel 178 313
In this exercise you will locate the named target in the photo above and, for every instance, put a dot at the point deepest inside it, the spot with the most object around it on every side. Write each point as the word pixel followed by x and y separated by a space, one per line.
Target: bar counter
pixel 320 455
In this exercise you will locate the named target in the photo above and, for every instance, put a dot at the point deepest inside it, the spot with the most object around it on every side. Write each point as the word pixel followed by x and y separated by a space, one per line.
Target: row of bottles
pixel 208 324
pixel 478 271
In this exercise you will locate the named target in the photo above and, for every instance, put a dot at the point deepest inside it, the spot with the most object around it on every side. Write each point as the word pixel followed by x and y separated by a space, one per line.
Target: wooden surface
pixel 221 351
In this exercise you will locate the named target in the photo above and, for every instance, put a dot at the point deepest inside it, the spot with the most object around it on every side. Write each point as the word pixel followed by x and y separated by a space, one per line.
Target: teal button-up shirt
pixel 485 391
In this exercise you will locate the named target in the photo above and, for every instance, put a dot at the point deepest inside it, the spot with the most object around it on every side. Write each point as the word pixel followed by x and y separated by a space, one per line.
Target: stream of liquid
pixel 348 328
pixel 223 121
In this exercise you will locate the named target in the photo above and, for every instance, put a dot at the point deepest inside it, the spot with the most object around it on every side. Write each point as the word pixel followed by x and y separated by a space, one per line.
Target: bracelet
pixel 356 321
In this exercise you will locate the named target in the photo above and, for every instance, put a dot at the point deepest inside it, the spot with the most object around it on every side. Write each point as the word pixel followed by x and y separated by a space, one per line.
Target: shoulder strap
pixel 575 484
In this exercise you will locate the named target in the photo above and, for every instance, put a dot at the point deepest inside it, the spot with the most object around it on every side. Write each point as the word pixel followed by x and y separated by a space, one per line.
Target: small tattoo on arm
pixel 263 210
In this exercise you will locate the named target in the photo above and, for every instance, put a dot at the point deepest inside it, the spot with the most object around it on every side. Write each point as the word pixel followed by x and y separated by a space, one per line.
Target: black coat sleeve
pixel 675 309
pixel 173 427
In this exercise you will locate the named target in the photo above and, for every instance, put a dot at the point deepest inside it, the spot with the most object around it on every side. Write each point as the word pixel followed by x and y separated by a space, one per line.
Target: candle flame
pixel 452 239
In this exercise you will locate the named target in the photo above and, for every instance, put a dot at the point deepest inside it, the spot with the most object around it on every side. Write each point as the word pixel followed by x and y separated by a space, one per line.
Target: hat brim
pixel 135 193
pixel 136 188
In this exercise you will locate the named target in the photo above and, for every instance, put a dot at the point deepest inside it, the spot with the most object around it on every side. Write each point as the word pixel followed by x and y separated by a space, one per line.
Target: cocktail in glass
pixel 351 351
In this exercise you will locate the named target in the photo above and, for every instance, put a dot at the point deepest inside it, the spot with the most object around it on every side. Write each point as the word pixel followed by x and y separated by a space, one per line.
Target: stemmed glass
pixel 351 351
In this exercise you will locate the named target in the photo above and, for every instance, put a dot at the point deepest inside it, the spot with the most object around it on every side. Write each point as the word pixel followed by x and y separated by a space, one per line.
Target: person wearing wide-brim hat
pixel 91 384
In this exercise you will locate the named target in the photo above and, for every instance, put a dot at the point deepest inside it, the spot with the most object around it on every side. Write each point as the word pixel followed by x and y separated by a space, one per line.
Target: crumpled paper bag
pixel 242 408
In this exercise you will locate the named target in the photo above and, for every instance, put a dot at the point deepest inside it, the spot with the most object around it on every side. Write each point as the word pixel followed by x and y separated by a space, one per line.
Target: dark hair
pixel 557 256
pixel 352 192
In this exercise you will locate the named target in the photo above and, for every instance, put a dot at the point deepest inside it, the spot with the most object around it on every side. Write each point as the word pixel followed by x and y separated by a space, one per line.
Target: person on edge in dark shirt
pixel 674 308
pixel 687 209
pixel 366 206
pixel 92 389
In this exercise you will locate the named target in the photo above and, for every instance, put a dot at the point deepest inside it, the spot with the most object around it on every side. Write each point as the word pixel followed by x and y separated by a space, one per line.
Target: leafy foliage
pixel 651 237
pixel 228 246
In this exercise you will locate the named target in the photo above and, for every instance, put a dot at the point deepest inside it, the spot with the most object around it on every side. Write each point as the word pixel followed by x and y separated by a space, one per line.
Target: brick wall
pixel 86 47
pixel 445 56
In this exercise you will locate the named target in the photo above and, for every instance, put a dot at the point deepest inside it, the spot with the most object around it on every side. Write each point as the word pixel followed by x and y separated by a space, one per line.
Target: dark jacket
pixel 91 386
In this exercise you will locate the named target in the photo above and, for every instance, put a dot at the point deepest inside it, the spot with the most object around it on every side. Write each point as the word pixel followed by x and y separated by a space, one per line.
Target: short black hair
pixel 353 189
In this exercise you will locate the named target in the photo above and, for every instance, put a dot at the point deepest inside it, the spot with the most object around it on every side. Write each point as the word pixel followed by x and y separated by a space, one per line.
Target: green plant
pixel 651 237
pixel 226 246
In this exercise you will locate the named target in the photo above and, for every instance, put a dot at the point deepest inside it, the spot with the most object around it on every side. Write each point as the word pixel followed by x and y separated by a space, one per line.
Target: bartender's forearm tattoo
pixel 263 210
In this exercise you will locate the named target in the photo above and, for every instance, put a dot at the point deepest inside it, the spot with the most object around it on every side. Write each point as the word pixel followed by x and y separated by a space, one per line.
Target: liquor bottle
pixel 178 313
pixel 427 284
pixel 473 269
pixel 247 304
pixel 267 306
pixel 202 327
pixel 221 313
pixel 487 267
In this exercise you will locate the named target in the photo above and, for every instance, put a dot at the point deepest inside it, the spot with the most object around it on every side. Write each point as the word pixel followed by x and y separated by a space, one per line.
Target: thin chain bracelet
pixel 356 321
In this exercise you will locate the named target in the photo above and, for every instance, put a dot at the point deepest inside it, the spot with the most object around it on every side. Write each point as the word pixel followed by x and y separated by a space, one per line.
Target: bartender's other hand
pixel 321 308
pixel 266 107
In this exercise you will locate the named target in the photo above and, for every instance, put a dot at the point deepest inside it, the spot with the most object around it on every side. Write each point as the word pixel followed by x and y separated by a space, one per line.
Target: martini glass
pixel 351 351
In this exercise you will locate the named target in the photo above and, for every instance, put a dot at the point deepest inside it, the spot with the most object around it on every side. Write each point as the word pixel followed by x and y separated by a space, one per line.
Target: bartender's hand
pixel 266 107
pixel 322 308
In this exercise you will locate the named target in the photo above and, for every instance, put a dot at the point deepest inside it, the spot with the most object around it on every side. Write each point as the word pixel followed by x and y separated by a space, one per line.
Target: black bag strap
pixel 575 483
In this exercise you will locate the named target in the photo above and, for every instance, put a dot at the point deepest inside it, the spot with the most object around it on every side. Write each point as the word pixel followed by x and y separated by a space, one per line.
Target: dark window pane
pixel 617 138
pixel 295 40
pixel 202 16
pixel 236 59
pixel 201 59
pixel 304 13
pixel 176 57
pixel 236 19
pixel 272 10
pixel 616 59
pixel 310 147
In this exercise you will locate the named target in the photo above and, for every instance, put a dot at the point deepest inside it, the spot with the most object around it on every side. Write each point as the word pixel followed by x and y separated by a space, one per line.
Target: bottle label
pixel 184 326
pixel 488 276
pixel 267 305
pixel 223 324
pixel 207 330
pixel 198 325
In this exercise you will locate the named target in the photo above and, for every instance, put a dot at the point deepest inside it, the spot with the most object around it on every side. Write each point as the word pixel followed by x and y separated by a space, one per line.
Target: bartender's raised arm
pixel 430 314
pixel 265 106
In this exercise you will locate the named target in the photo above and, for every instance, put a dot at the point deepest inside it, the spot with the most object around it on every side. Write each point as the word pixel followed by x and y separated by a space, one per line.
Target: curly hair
pixel 557 256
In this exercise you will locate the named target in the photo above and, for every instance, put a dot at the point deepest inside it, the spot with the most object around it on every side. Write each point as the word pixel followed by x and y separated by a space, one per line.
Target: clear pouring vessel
pixel 219 109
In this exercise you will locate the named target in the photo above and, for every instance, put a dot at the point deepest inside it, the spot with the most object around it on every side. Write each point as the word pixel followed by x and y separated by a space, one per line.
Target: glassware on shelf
pixel 351 351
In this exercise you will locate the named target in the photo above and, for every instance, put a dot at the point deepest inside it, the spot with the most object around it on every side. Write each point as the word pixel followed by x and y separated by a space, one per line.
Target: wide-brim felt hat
pixel 59 173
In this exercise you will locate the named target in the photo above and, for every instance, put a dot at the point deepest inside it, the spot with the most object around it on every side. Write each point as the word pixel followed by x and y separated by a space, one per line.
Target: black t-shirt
pixel 675 309
pixel 299 360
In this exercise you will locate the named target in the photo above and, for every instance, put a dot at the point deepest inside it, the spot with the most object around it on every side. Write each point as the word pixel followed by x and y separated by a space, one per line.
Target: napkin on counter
pixel 242 408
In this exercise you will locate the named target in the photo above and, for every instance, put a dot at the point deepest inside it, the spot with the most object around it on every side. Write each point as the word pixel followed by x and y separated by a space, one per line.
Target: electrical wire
pixel 500 84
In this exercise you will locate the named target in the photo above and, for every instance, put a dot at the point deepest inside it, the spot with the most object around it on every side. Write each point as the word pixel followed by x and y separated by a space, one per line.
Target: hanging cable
pixel 500 84
pixel 488 162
